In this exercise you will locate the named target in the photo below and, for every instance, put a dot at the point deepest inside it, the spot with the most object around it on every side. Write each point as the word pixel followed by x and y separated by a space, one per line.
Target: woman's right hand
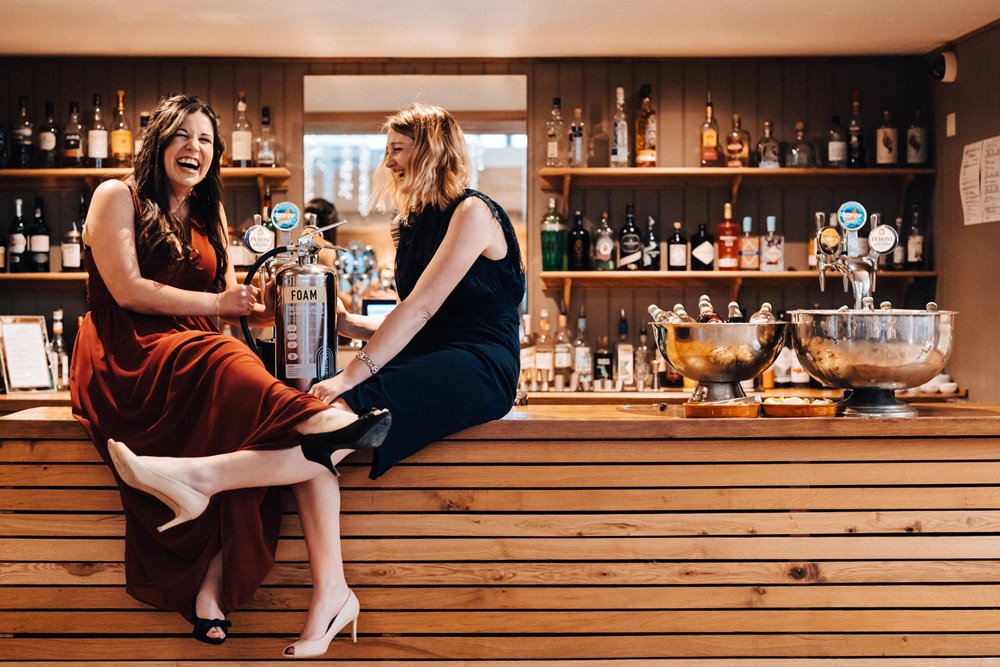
pixel 238 301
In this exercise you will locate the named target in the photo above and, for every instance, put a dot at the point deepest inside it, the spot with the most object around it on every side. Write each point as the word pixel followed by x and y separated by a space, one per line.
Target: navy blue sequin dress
pixel 461 369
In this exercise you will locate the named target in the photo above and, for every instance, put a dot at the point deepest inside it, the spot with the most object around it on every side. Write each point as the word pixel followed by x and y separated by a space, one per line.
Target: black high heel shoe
pixel 367 432
pixel 202 626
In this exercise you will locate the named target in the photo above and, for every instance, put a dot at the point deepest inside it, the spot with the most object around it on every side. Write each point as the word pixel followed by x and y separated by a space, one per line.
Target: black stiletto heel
pixel 202 626
pixel 367 432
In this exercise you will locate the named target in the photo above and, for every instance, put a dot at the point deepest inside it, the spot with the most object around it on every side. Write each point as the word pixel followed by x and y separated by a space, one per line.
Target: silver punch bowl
pixel 719 356
pixel 873 353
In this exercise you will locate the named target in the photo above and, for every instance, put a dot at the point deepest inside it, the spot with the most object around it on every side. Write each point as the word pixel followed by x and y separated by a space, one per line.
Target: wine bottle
pixel 38 240
pixel 17 240
pixel 97 137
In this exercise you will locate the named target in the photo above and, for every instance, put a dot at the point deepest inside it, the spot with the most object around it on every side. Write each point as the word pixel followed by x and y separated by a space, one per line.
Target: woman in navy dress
pixel 446 358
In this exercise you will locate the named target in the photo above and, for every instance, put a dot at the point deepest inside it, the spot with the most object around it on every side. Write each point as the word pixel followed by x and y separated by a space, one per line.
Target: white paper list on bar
pixel 968 183
pixel 989 180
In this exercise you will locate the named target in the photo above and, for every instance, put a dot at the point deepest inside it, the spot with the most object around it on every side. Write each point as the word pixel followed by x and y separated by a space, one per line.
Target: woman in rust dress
pixel 207 432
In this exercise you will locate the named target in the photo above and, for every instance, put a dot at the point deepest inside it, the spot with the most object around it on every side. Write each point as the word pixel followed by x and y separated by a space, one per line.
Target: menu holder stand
pixel 24 359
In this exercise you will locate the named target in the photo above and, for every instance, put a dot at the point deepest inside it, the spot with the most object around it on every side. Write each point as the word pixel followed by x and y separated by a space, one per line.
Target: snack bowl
pixel 948 387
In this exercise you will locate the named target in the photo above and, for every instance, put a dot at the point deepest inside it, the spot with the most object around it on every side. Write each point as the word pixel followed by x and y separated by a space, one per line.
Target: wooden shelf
pixel 259 177
pixel 602 280
pixel 52 278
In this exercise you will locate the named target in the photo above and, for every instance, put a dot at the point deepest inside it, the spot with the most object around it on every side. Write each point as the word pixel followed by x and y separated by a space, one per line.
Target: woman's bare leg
pixel 206 604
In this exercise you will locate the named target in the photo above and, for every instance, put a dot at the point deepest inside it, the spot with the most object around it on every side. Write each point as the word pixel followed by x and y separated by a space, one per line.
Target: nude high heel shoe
pixel 186 503
pixel 312 648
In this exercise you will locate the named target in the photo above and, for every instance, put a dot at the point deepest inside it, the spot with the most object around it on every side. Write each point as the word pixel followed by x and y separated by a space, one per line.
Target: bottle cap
pixel 677 224
pixel 747 223
pixel 772 223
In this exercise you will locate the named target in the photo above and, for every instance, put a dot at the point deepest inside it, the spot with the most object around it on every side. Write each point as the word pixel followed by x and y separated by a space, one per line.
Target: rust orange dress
pixel 176 386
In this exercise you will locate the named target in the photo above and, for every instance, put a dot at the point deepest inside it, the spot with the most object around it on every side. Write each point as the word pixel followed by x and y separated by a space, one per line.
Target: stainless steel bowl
pixel 873 353
pixel 719 356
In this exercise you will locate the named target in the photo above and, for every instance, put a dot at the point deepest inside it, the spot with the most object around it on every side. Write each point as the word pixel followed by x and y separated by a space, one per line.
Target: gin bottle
pixel 603 365
pixel 623 355
pixel 583 359
pixel 553 239
pixel 555 136
pixel 604 245
pixel 749 246
pixel 577 140
pixel 642 367
pixel 563 356
pixel 619 131
pixel 651 249
pixel 768 148
pixel 702 250
pixel 545 353
pixel 629 243
pixel 800 154
pixel 772 248
pixel 578 249
pixel 677 250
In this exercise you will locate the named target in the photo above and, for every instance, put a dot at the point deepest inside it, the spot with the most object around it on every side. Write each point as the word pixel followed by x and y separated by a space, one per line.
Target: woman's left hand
pixel 329 390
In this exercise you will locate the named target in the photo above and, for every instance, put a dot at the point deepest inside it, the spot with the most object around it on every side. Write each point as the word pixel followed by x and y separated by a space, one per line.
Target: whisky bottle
pixel 555 136
pixel 23 144
pixel 563 356
pixel 577 140
pixel 583 358
pixel 241 146
pixel 17 240
pixel 677 250
pixel 545 353
pixel 886 142
pixel 651 248
pixel 836 144
pixel 916 141
pixel 737 144
pixel 625 369
pixel 48 139
pixel 706 311
pixel 735 314
pixel 727 235
pixel 800 153
pixel 645 129
pixel 72 245
pixel 97 137
pixel 749 247
pixel 619 131
pixel 856 136
pixel 73 151
pixel 604 245
pixel 629 243
pixel 140 136
pixel 915 242
pixel 768 148
pixel 642 367
pixel 702 250
pixel 603 366
pixel 527 344
pixel 772 248
pixel 266 154
pixel 38 240
pixel 553 239
pixel 708 138
pixel 121 136
pixel 578 251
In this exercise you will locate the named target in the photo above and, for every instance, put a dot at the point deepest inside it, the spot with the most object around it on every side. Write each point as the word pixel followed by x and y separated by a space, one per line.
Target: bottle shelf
pixel 603 280
pixel 259 177
pixel 54 278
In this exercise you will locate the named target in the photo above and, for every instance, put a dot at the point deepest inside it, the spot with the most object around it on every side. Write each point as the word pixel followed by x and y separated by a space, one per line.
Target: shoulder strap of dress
pixel 135 201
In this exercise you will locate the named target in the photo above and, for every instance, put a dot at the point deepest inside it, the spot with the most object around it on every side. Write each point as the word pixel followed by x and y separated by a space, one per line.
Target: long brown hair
pixel 161 233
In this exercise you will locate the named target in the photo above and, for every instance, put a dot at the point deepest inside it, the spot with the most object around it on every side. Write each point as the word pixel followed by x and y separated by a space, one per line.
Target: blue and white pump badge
pixel 285 216
pixel 852 216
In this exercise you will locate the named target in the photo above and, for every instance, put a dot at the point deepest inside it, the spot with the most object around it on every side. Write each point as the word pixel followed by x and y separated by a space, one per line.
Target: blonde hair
pixel 438 170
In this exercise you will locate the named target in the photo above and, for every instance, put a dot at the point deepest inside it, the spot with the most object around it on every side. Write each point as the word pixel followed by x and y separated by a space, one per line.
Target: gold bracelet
pixel 372 366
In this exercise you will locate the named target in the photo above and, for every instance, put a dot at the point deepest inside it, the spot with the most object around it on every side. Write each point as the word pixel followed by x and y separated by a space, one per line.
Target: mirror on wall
pixel 343 144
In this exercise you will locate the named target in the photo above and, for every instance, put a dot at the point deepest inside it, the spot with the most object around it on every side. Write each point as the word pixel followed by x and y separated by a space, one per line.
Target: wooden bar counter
pixel 566 536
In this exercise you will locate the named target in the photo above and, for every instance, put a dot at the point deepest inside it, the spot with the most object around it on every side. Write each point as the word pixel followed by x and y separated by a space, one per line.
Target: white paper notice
pixel 968 183
pixel 24 352
pixel 989 180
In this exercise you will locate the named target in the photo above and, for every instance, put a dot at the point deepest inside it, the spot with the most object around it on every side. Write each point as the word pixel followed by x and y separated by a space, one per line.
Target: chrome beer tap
pixel 841 251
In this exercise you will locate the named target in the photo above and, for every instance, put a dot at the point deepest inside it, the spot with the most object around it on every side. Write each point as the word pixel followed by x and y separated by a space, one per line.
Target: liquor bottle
pixel 38 240
pixel 97 137
pixel 140 136
pixel 651 248
pixel 266 154
pixel 677 250
pixel 121 136
pixel 241 145
pixel 624 366
pixel 563 356
pixel 578 251
pixel 645 129
pixel 899 252
pixel 763 316
pixel 813 253
pixel 768 148
pixel 727 235
pixel 577 140
pixel 708 138
pixel 836 144
pixel 772 248
pixel 604 245
pixel 598 144
pixel 583 358
pixel 48 139
pixel 17 240
pixel 545 352
pixel 916 141
pixel 702 250
pixel 555 136
pixel 915 242
pixel 553 239
pixel 629 243
pixel 527 344
pixel 72 245
pixel 23 143
pixel 735 314
pixel 642 366
pixel 856 136
pixel 619 131
pixel 800 153
pixel 58 357
pixel 603 366
pixel 706 311
pixel 737 144
pixel 749 246
pixel 682 314
pixel 886 142
pixel 73 139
